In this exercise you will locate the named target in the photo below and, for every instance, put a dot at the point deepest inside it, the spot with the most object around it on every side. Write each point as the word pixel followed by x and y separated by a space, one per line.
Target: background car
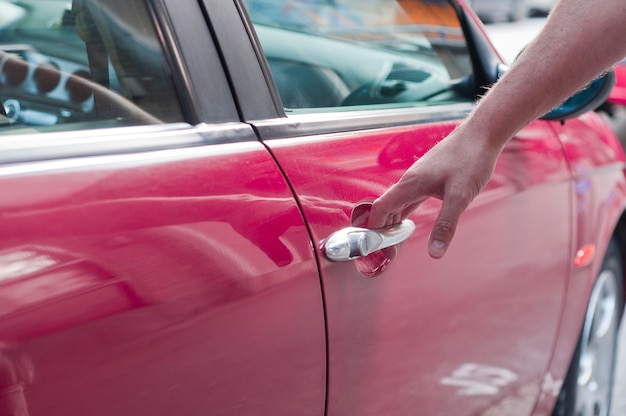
pixel 614 108
pixel 500 10
pixel 618 94
pixel 185 185
pixel 540 8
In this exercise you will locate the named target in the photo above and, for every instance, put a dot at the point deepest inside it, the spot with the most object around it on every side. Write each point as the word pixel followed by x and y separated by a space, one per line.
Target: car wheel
pixel 587 388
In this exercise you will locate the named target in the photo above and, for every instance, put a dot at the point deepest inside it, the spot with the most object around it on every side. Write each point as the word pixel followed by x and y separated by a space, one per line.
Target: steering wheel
pixel 378 91
pixel 398 83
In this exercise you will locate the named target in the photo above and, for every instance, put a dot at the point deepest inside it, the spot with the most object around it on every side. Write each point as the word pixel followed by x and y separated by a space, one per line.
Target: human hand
pixel 455 171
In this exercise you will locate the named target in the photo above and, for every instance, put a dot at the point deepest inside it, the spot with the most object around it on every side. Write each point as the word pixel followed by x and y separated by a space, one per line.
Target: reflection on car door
pixel 469 334
pixel 160 282
pixel 160 269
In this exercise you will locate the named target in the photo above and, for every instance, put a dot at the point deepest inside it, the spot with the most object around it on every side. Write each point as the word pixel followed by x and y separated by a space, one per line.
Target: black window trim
pixel 236 42
pixel 194 59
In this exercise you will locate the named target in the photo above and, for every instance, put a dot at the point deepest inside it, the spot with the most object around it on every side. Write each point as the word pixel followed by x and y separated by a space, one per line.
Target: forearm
pixel 581 39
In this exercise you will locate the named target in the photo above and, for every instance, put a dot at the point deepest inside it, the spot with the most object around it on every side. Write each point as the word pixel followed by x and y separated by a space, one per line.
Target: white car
pixel 540 7
pixel 500 10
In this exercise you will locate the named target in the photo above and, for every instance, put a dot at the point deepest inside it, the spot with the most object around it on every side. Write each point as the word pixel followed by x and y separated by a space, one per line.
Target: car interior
pixel 335 56
pixel 81 65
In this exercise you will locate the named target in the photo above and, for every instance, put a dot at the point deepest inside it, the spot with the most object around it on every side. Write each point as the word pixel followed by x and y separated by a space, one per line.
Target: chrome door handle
pixel 353 242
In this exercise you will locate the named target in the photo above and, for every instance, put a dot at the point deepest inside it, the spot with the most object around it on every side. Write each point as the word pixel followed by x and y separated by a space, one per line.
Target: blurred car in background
pixel 491 11
pixel 614 109
pixel 618 94
pixel 540 8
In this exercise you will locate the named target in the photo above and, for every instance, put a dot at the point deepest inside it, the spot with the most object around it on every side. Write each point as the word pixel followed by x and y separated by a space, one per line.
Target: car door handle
pixel 353 242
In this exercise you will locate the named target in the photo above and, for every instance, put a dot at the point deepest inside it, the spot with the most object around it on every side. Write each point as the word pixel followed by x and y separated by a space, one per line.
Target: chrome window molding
pixel 23 148
pixel 299 125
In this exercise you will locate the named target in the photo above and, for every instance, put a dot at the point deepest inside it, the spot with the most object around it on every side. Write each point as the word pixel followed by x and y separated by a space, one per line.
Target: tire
pixel 588 385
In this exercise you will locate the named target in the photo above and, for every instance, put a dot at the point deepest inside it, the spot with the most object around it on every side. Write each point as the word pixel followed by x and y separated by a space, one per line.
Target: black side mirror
pixel 589 98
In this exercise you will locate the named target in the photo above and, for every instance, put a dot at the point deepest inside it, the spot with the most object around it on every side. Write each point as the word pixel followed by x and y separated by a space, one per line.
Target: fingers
pixel 408 210
pixel 390 209
pixel 382 211
pixel 446 223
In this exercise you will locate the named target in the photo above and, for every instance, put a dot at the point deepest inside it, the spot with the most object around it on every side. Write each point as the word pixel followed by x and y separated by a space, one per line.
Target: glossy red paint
pixel 131 284
pixel 597 163
pixel 618 94
pixel 442 320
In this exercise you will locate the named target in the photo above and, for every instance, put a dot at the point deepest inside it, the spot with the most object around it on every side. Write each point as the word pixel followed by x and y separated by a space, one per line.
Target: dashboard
pixel 41 90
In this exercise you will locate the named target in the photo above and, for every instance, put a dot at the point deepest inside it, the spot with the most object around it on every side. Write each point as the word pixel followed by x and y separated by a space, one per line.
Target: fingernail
pixel 437 249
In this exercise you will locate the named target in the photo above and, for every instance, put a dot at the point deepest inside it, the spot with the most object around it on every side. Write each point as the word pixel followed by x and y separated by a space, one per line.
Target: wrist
pixel 485 137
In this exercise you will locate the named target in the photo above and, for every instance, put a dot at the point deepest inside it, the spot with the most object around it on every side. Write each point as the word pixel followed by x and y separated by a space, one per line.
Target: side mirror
pixel 587 99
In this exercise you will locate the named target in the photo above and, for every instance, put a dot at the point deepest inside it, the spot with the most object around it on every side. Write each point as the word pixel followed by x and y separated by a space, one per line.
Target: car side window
pixel 82 64
pixel 346 54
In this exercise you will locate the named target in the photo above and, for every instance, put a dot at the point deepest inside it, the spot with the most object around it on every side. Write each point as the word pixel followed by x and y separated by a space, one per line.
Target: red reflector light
pixel 585 255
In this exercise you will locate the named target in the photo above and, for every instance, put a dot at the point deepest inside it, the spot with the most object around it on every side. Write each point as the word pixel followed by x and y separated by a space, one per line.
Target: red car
pixel 618 94
pixel 184 187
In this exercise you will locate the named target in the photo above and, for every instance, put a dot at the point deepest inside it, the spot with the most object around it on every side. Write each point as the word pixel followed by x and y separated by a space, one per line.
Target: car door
pixel 363 89
pixel 153 259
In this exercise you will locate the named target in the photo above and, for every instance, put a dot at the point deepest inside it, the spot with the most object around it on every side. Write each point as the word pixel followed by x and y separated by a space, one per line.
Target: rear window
pixel 82 64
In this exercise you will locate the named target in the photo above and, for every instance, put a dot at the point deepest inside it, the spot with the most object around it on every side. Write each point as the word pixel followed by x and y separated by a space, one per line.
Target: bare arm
pixel 580 40
pixel 550 70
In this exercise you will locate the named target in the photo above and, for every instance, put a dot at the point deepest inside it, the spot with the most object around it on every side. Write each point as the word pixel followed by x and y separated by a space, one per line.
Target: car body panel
pixel 596 159
pixel 132 283
pixel 431 334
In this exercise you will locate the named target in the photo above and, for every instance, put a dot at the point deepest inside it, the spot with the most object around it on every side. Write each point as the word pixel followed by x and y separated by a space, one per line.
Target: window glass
pixel 346 54
pixel 67 65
